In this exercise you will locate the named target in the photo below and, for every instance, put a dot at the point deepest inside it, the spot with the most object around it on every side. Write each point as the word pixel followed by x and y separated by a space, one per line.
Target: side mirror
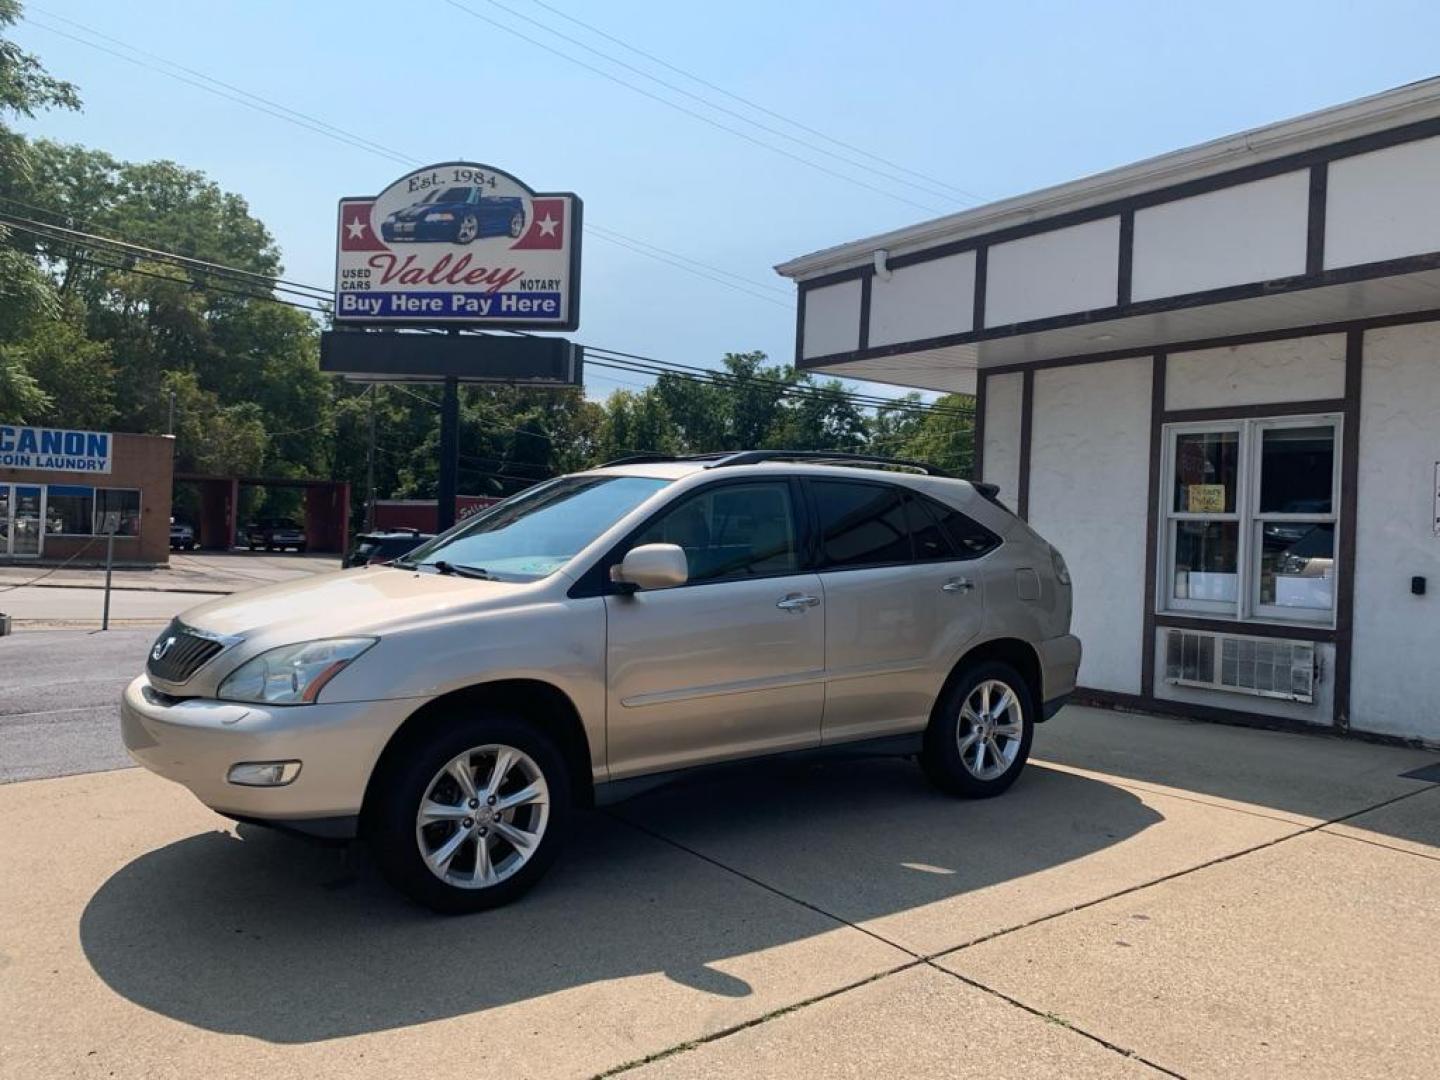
pixel 652 566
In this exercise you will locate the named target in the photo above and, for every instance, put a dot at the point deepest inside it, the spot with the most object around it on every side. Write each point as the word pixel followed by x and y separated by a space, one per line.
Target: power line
pixel 329 131
pixel 769 129
pixel 755 104
pixel 596 355
pixel 691 112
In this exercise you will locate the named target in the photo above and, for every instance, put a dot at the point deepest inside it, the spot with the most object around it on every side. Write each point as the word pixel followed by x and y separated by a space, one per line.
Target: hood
pixel 412 213
pixel 367 600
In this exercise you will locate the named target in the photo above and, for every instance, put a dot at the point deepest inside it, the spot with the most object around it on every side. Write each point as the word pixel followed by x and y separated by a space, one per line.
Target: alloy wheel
pixel 483 816
pixel 469 227
pixel 991 729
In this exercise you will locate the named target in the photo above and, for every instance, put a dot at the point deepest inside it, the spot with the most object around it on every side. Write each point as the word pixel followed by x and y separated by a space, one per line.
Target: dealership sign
pixel 455 244
pixel 54 449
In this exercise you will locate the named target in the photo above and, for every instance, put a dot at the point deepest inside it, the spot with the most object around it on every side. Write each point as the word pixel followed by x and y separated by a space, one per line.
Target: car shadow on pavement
pixel 264 935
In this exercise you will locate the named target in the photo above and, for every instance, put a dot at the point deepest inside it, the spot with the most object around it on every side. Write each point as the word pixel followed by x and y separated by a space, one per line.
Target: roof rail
pixel 823 457
pixel 647 457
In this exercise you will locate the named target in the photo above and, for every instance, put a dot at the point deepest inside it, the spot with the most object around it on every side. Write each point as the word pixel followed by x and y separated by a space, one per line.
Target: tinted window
pixel 966 539
pixel 731 531
pixel 861 524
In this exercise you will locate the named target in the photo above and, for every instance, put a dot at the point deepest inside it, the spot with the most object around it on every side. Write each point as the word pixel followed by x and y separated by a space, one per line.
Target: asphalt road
pixel 59 692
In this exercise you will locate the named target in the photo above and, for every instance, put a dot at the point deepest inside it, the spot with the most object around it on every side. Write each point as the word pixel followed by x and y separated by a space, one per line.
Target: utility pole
pixel 449 453
pixel 370 464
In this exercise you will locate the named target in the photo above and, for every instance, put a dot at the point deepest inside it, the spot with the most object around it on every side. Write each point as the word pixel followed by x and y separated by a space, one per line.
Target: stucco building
pixel 1212 379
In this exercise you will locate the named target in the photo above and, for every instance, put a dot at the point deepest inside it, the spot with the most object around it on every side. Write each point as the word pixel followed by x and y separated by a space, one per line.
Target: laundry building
pixel 62 490
pixel 1212 379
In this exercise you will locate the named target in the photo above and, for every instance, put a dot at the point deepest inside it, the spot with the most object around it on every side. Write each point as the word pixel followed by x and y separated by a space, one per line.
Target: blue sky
pixel 991 99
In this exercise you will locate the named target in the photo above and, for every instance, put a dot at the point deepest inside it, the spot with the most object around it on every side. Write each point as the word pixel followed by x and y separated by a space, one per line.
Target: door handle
pixel 958 584
pixel 797 602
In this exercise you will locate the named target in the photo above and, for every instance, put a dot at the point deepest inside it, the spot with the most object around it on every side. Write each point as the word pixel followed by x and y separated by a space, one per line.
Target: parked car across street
pixel 600 632
pixel 274 534
pixel 382 545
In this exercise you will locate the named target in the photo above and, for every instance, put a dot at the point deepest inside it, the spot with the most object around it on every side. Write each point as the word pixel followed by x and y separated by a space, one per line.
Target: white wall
pixel 1089 477
pixel 1000 457
pixel 1053 273
pixel 1249 232
pixel 1383 205
pixel 1294 369
pixel 1395 666
pixel 924 300
pixel 832 320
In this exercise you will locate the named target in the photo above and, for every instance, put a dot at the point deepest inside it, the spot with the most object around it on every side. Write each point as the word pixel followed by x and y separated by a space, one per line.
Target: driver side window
pixel 731 531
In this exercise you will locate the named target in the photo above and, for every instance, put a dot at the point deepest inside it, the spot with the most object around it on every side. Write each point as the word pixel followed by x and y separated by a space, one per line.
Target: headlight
pixel 439 217
pixel 292 674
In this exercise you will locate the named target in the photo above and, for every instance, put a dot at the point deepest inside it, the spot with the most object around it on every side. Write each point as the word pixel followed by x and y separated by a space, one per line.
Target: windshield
pixel 444 195
pixel 531 535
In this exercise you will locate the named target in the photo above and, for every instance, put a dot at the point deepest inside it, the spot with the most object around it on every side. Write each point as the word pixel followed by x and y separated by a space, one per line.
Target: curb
pixel 7 585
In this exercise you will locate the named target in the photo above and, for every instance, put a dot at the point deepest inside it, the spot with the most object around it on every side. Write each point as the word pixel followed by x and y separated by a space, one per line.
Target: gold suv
pixel 600 632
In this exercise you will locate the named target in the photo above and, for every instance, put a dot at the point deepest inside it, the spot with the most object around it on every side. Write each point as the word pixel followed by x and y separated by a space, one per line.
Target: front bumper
pixel 195 742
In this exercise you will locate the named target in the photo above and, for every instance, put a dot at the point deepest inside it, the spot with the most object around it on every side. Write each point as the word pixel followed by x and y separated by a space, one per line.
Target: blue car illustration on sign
pixel 456 215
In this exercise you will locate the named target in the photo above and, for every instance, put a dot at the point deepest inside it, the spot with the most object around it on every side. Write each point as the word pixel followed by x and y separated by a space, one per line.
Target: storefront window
pixel 125 503
pixel 69 510
pixel 1250 526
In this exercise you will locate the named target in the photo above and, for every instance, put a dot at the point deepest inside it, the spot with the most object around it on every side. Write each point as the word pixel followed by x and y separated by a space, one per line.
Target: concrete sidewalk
pixel 1153 898
pixel 199 571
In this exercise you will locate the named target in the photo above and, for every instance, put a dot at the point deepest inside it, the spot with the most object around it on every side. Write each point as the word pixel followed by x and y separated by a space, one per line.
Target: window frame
pixel 139 512
pixel 817 562
pixel 596 581
pixel 69 494
pixel 1248 519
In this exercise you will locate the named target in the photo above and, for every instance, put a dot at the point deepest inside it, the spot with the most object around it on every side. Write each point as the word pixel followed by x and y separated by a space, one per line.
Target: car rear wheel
pixel 470 815
pixel 467 230
pixel 517 223
pixel 979 738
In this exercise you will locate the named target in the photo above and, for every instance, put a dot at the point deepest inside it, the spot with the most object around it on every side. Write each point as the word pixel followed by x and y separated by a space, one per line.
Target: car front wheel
pixel 471 815
pixel 979 737
pixel 467 230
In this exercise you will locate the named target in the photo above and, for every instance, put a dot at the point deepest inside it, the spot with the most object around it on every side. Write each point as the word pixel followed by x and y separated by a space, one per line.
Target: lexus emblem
pixel 162 647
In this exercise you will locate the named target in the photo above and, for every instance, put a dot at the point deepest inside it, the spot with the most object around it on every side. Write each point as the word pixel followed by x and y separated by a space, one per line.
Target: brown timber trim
pixel 1152 524
pixel 1349 496
pixel 865 285
pixel 1256 412
pixel 1289 631
pixel 1027 414
pixel 1126 270
pixel 1315 227
pixel 977 430
pixel 982 277
pixel 1255 337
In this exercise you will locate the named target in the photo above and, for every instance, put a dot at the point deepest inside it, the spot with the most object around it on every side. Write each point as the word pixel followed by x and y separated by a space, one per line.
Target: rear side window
pixel 940 528
pixel 860 524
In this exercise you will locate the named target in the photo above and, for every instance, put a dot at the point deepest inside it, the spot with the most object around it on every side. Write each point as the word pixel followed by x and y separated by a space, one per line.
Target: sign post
pixel 455 245
pixel 111 523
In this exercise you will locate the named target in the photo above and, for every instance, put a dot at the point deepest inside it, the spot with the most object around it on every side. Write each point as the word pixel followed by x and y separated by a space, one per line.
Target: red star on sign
pixel 547 227
pixel 356 232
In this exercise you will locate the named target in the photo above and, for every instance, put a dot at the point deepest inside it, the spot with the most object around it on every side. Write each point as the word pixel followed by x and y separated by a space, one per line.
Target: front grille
pixel 182 653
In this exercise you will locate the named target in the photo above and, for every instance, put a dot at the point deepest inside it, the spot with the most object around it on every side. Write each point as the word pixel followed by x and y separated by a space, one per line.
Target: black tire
pixel 251 546
pixel 942 759
pixel 517 225
pixel 300 550
pixel 389 822
pixel 474 223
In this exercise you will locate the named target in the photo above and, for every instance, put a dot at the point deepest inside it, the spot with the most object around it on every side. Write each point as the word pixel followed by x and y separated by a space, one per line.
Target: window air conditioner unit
pixel 1264 667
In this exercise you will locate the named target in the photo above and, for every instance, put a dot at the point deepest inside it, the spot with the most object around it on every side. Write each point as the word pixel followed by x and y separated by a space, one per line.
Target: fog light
pixel 263 773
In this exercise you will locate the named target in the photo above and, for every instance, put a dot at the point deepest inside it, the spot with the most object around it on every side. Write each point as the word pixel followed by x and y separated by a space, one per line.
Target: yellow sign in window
pixel 1206 498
